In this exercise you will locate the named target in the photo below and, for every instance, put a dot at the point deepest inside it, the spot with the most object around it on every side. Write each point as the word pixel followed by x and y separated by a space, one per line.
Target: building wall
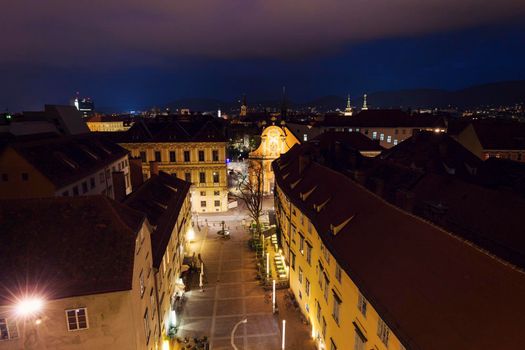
pixel 212 192
pixel 317 304
pixel 168 276
pixel 100 182
pixel 107 126
pixel 14 185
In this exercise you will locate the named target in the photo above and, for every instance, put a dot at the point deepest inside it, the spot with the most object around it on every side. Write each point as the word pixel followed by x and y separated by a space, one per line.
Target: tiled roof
pixel 434 291
pixel 500 136
pixel 161 199
pixel 354 140
pixel 391 118
pixel 67 159
pixel 66 246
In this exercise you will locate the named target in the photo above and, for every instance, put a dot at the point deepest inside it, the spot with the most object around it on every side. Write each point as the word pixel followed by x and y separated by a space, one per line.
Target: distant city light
pixel 29 306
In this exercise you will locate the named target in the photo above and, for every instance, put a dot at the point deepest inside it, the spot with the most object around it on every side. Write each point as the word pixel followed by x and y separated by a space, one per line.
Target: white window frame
pixel 362 304
pixel 11 327
pixel 383 332
pixel 76 310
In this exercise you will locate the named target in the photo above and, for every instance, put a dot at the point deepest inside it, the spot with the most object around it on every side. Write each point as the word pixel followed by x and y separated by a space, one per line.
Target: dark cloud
pixel 116 32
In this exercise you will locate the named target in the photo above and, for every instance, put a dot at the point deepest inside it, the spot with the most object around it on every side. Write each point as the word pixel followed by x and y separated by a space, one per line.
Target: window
pixel 201 156
pixel 337 306
pixel 338 273
pixel 396 132
pixel 186 156
pixel 8 329
pixel 173 157
pixel 305 137
pixel 292 263
pixel 92 182
pixel 77 319
pixel 141 280
pixel 143 158
pixel 217 203
pixel 301 244
pixel 215 177
pixel 75 191
pixel 187 177
pixel 300 276
pixel 157 156
pixel 332 345
pixel 382 137
pixel 326 287
pixel 395 142
pixel 216 193
pixel 147 330
pixel 203 193
pixel 359 342
pixel 324 327
pixel 5 177
pixel 308 253
pixel 318 315
pixel 152 302
pixel 25 176
pixel 307 287
pixel 374 135
pixel 361 304
pixel 326 254
pixel 215 155
pixel 203 204
pixel 321 274
pixel 84 187
pixel 383 331
pixel 389 139
pixel 202 177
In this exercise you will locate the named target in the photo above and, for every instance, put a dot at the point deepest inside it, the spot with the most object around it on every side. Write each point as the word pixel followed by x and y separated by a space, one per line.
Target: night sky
pixel 129 54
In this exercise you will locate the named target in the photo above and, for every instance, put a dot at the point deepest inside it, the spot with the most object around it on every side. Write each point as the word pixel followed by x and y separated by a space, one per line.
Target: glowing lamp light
pixel 30 306
pixel 190 235
pixel 165 345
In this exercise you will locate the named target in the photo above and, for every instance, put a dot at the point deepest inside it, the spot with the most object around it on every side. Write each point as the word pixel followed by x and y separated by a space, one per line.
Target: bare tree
pixel 250 191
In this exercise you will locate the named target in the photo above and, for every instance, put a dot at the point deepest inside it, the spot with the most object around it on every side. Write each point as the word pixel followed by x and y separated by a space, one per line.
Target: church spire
pixel 348 110
pixel 244 107
pixel 365 106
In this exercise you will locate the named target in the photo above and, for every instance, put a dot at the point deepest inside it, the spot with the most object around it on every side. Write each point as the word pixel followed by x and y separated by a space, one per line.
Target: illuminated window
pixel 301 244
pixel 362 304
pixel 374 135
pixel 389 139
pixel 141 281
pixel 77 319
pixel 215 177
pixel 305 137
pixel 300 275
pixel 383 331
pixel 382 137
pixel 8 329
pixel 395 142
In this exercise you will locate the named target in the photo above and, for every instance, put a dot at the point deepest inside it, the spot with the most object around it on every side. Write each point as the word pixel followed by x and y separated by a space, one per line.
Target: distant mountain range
pixel 492 94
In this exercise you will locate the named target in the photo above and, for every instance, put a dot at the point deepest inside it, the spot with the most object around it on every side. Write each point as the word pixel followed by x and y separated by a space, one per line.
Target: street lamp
pixel 233 332
pixel 29 306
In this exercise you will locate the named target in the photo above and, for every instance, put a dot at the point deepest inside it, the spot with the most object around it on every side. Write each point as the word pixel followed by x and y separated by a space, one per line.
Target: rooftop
pixel 66 246
pixel 432 288
pixel 391 118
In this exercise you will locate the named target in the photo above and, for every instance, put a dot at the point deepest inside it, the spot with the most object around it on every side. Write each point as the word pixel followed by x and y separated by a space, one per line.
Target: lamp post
pixel 245 320
pixel 284 332
pixel 273 296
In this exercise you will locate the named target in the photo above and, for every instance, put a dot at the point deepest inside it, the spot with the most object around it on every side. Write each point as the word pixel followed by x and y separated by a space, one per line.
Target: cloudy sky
pixel 130 53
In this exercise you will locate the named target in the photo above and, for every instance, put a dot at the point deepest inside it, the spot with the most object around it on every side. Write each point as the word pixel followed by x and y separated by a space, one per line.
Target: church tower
pixel 244 107
pixel 365 106
pixel 348 110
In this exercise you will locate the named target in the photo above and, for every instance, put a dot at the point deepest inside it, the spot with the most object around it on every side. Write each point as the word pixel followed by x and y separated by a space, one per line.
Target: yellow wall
pixel 194 167
pixel 14 165
pixel 343 333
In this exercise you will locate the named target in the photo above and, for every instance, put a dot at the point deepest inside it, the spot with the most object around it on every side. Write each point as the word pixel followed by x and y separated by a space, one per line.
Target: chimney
pixel 153 168
pixel 360 177
pixel 135 172
pixel 119 186
pixel 380 186
pixel 304 160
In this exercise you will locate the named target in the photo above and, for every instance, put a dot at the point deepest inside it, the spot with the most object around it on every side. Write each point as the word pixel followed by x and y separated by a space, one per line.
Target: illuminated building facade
pixel 198 157
pixel 275 140
pixel 368 275
pixel 107 123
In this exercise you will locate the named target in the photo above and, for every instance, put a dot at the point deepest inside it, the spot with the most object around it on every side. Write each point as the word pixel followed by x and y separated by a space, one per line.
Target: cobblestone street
pixel 231 293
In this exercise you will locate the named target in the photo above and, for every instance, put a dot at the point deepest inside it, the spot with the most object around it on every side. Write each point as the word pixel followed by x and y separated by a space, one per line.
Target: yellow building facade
pixel 201 163
pixel 340 316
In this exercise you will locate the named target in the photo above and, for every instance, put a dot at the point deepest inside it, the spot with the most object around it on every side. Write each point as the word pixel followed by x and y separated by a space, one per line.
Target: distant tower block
pixel 365 106
pixel 348 110
pixel 244 107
